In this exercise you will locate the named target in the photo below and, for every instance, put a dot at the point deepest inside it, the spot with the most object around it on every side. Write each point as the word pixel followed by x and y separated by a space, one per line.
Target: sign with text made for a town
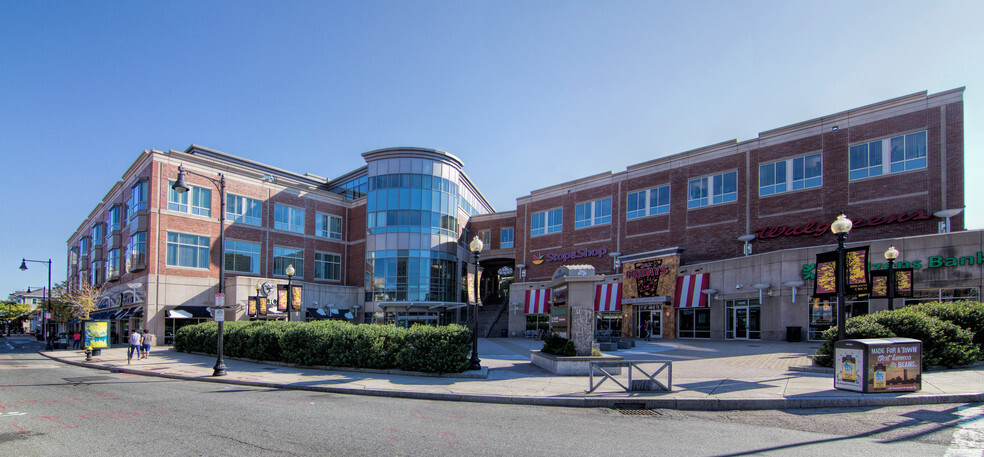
pixel 649 280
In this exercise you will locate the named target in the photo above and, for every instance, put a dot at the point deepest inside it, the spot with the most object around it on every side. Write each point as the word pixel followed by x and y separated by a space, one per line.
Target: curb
pixel 693 404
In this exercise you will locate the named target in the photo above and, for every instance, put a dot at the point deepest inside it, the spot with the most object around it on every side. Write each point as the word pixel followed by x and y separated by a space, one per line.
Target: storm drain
pixel 637 412
pixel 85 379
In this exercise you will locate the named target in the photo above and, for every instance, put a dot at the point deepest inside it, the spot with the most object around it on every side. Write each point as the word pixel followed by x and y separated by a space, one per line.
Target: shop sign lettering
pixel 577 254
pixel 935 261
pixel 818 229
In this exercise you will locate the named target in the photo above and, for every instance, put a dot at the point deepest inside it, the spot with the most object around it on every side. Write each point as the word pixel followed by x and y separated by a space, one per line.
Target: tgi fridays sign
pixel 651 280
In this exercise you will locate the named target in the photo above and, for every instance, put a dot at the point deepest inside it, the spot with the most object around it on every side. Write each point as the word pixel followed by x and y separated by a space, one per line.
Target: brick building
pixel 388 242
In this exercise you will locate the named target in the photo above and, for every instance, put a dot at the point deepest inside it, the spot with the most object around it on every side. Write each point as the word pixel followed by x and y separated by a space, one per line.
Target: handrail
pixel 650 385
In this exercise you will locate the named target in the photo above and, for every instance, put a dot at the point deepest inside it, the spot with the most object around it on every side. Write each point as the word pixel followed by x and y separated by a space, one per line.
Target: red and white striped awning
pixel 688 291
pixel 608 297
pixel 537 301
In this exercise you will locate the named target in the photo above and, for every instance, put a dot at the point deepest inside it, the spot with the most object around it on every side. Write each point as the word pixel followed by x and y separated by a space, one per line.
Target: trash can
pixel 793 334
pixel 505 333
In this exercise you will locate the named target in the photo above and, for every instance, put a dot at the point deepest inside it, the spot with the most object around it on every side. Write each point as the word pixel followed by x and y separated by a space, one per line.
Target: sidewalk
pixel 706 375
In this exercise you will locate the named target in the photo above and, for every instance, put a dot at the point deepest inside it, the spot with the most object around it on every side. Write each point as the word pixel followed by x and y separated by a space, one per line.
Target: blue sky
pixel 527 93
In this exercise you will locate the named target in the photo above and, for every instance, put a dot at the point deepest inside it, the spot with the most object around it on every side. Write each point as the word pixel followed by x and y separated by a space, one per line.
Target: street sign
pixel 219 311
pixel 219 300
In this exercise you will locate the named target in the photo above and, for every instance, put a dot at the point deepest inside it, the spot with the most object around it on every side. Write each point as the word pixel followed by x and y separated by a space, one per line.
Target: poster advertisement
pixel 295 304
pixel 97 334
pixel 847 363
pixel 649 280
pixel 903 283
pixel 857 280
pixel 282 298
pixel 895 367
pixel 251 306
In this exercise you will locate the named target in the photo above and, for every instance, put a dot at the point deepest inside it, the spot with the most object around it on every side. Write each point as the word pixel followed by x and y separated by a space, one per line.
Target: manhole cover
pixel 637 412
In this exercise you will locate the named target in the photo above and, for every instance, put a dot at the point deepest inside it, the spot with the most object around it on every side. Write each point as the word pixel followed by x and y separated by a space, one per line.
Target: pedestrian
pixel 78 339
pixel 134 346
pixel 145 340
pixel 647 329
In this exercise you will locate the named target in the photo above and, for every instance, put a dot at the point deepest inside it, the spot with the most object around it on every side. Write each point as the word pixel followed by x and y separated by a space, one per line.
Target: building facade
pixel 387 242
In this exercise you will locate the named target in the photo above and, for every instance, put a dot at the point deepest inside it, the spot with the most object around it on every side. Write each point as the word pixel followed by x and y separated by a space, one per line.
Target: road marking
pixel 968 438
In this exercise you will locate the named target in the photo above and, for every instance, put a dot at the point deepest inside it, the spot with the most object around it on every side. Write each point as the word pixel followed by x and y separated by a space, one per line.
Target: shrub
pixel 435 349
pixel 557 345
pixel 968 315
pixel 943 343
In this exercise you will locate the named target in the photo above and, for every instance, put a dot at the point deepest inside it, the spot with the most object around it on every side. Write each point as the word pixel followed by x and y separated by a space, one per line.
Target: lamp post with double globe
pixel 290 290
pixel 890 255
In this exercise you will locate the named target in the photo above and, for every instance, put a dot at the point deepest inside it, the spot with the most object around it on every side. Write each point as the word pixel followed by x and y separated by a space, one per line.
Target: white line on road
pixel 968 438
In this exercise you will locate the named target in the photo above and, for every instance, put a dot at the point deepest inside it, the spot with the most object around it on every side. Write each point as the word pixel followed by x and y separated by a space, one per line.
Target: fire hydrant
pixel 88 353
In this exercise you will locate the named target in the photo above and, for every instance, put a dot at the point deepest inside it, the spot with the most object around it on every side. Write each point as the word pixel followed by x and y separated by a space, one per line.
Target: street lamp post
pixel 44 322
pixel 890 255
pixel 841 227
pixel 290 291
pixel 181 187
pixel 476 246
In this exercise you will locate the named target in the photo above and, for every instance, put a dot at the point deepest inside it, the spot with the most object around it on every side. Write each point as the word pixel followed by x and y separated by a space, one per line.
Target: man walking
pixel 134 346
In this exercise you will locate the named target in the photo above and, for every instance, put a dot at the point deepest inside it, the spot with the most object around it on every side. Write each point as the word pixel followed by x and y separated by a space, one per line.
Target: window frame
pixel 646 197
pixel 238 209
pixel 711 195
pixel 138 199
pixel 503 243
pixel 547 217
pixel 279 271
pixel 255 256
pixel 586 214
pixel 320 220
pixel 325 266
pixel 289 225
pixel 888 163
pixel 790 168
pixel 204 251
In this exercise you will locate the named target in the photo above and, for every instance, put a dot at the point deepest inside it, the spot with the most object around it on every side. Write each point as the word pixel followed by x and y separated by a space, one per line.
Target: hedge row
pixel 336 343
pixel 952 333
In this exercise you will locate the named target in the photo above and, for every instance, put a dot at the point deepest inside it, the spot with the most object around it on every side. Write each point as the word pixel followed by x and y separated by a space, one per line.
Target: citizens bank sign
pixel 571 255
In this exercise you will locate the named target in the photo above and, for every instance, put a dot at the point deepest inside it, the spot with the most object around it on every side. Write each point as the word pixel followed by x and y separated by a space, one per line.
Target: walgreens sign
pixel 818 229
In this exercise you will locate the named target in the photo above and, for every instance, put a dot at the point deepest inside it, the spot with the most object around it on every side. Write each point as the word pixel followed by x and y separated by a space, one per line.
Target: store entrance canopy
pixel 189 312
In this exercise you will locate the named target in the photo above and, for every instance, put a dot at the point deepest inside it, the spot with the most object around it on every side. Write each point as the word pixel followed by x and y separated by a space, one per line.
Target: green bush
pixel 943 343
pixel 968 315
pixel 336 343
pixel 436 349
pixel 556 345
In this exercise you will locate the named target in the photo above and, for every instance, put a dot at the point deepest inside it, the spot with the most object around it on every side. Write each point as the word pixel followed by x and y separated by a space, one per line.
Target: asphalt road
pixel 50 409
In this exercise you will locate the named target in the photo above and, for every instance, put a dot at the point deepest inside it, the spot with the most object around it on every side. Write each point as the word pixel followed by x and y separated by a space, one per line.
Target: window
pixel 113 220
pixel 900 153
pixel 84 246
pixel 327 266
pixel 138 199
pixel 136 251
pixel 652 202
pixel 187 250
pixel 486 237
pixel 288 218
pixel 201 200
pixel 113 264
pixel 546 222
pixel 328 226
pixel 95 273
pixel 806 172
pixel 711 190
pixel 506 238
pixel 288 256
pixel 97 235
pixel 244 209
pixel 242 257
pixel 593 213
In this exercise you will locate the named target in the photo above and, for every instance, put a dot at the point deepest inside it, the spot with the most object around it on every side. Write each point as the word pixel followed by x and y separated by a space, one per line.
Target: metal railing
pixel 649 383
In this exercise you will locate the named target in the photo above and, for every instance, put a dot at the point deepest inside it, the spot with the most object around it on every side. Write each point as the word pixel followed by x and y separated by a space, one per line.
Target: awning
pixel 316 313
pixel 608 297
pixel 189 312
pixel 688 291
pixel 537 301
pixel 125 314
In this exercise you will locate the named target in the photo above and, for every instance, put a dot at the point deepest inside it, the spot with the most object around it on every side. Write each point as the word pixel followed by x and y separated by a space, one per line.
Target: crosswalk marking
pixel 968 438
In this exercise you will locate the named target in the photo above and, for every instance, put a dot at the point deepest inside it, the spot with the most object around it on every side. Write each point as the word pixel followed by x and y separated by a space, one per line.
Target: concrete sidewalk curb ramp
pixel 623 401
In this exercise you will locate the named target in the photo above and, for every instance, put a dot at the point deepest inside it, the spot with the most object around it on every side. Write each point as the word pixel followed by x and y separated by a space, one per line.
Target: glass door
pixel 741 323
pixel 648 323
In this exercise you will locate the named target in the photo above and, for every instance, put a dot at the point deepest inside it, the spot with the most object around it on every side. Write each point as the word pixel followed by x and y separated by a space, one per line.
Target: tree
pixel 79 302
pixel 14 313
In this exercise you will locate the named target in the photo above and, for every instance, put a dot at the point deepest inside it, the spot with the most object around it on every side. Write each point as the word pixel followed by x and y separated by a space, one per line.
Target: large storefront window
pixel 823 314
pixel 743 319
pixel 694 323
pixel 609 324
pixel 943 295
pixel 411 275
pixel 538 322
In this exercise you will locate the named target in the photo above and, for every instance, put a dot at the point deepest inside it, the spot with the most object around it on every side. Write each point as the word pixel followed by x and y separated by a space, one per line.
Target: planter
pixel 570 366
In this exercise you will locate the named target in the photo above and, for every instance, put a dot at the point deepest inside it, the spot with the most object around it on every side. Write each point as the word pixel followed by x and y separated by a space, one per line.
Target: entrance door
pixel 741 323
pixel 652 316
